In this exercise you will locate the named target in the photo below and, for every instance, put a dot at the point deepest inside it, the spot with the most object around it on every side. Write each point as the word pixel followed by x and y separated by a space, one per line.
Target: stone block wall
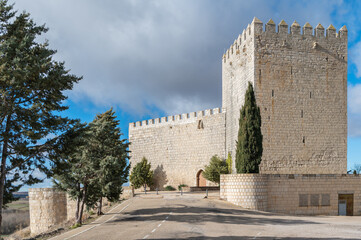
pixel 296 194
pixel 47 207
pixel 284 193
pixel 70 208
pixel 300 83
pixel 128 192
pixel 246 190
pixel 178 147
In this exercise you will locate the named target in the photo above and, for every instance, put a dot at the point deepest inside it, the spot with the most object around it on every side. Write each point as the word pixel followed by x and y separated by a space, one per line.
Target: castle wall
pixel 296 194
pixel 178 147
pixel 300 82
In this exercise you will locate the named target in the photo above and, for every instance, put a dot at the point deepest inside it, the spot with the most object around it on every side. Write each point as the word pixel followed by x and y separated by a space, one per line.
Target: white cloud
pixel 161 53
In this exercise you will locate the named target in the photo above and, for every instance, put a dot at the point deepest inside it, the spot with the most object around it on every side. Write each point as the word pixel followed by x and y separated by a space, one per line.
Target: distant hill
pixel 21 194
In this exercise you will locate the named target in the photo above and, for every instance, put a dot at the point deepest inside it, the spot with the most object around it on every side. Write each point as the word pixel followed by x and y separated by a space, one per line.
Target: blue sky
pixel 148 59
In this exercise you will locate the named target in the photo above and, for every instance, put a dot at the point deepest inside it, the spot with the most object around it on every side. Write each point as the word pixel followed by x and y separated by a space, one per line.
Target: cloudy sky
pixel 149 58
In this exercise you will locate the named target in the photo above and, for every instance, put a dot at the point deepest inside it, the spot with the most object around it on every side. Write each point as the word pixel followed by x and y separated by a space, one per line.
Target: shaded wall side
pixel 177 150
pixel 301 88
pixel 237 71
pixel 70 208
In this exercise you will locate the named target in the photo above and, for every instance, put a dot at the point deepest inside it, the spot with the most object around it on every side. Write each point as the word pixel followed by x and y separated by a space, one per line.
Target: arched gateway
pixel 201 181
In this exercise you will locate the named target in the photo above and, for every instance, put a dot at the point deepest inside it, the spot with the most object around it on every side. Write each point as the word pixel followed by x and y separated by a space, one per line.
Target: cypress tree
pixel 249 145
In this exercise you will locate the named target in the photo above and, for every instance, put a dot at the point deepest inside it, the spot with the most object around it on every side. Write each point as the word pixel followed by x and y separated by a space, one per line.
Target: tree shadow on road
pixel 201 216
pixel 251 237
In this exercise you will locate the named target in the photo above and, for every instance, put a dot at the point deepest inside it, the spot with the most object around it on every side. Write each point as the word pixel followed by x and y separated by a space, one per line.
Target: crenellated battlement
pixel 179 118
pixel 257 28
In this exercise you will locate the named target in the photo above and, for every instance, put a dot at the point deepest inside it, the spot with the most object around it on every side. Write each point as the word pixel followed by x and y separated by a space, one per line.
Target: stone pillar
pixel 47 208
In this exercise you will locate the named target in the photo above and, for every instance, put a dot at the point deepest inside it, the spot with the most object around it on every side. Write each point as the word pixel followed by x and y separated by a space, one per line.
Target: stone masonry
pixel 47 207
pixel 178 147
pixel 300 83
pixel 50 208
pixel 295 194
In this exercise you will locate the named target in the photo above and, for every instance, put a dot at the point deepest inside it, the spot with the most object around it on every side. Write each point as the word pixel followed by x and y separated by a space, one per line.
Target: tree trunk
pixel 100 204
pixel 77 204
pixel 77 208
pixel 145 188
pixel 79 220
pixel 3 167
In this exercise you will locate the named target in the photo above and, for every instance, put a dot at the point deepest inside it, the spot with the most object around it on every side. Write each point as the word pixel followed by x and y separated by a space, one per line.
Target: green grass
pixel 19 205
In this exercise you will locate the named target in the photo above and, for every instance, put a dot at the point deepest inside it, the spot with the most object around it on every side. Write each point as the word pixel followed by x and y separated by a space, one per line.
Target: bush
pixel 216 167
pixel 182 185
pixel 169 188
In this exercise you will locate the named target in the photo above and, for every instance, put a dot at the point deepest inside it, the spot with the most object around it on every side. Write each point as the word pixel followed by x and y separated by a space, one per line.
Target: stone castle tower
pixel 300 82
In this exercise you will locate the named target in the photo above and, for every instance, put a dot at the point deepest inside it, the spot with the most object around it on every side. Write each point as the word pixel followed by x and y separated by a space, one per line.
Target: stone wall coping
pixel 292 176
pixel 175 119
pixel 257 27
pixel 44 190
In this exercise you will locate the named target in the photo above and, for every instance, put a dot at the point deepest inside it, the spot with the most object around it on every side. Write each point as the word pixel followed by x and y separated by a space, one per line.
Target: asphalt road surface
pixel 171 216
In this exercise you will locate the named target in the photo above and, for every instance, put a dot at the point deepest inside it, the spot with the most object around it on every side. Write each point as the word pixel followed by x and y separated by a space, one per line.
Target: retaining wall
pixel 296 194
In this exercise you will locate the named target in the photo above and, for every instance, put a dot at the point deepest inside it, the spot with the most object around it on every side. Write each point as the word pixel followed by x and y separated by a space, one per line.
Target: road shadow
pixel 250 237
pixel 202 215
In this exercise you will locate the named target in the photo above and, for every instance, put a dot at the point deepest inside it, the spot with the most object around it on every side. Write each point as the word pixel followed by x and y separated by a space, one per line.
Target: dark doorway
pixel 201 181
pixel 345 204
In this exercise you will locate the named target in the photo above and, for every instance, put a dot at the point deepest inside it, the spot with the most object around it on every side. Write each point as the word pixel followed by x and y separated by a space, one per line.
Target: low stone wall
pixel 296 194
pixel 246 190
pixel 47 208
pixel 128 192
pixel 70 209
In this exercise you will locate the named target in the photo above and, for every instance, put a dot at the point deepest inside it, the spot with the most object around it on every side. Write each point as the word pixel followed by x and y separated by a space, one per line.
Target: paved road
pixel 192 217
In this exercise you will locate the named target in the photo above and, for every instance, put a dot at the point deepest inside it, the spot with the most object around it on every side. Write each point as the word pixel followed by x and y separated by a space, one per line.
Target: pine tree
pixel 93 163
pixel 249 144
pixel 31 99
pixel 142 175
pixel 216 167
pixel 113 155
